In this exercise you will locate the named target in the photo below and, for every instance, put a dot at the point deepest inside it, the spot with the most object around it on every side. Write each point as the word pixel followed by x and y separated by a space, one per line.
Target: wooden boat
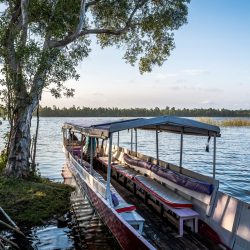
pixel 190 198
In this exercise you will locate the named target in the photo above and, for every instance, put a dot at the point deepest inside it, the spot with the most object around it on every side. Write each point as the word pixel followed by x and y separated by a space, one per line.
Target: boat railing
pixel 95 181
pixel 202 202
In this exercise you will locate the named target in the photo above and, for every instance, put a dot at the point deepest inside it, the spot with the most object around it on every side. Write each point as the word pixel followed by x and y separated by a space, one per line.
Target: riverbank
pixel 226 122
pixel 30 203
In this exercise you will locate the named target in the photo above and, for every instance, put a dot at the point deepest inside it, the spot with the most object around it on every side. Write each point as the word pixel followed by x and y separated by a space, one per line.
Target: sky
pixel 210 66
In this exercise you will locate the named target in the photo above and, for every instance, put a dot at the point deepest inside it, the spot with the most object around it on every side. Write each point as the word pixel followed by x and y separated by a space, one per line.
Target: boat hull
pixel 126 235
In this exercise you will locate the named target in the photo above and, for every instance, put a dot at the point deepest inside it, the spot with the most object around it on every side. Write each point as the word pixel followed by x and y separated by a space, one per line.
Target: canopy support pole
pixel 91 155
pixel 181 149
pixel 81 147
pixel 71 143
pixel 131 140
pixel 136 141
pixel 214 157
pixel 118 138
pixel 157 146
pixel 108 194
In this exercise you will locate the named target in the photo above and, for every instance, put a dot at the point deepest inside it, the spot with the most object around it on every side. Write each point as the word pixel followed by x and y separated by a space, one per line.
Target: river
pixel 232 157
pixel 232 168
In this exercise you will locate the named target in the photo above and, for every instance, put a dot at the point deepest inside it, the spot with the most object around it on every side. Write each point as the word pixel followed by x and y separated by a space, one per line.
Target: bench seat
pixel 161 193
pixel 124 207
pixel 104 160
pixel 134 219
pixel 122 169
pixel 125 171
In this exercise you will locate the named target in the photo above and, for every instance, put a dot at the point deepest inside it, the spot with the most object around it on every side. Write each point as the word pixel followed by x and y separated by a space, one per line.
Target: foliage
pixel 137 112
pixel 29 202
pixel 42 41
pixel 3 161
pixel 3 153
pixel 55 35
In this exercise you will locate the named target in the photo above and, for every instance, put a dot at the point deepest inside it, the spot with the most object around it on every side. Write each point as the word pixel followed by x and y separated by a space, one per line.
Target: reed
pixel 235 123
pixel 227 122
pixel 208 121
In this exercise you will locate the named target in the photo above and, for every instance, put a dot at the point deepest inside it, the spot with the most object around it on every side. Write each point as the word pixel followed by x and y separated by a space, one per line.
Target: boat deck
pixel 157 230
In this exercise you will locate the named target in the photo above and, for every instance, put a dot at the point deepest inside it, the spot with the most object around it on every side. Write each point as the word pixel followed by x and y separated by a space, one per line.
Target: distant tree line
pixel 139 112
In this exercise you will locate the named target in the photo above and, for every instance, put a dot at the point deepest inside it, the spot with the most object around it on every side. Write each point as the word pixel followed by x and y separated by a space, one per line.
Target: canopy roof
pixel 162 123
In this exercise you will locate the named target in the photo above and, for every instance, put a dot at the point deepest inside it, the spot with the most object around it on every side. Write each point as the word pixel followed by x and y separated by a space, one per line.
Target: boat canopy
pixel 162 123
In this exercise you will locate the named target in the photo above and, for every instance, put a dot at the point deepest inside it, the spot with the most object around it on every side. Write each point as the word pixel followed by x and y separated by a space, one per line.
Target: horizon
pixel 106 107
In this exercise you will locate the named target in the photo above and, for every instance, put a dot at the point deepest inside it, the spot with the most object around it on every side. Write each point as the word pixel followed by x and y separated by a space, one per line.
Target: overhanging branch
pixel 24 11
pixel 67 40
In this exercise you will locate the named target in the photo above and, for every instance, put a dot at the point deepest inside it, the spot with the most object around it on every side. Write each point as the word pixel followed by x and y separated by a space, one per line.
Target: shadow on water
pixel 89 230
pixel 80 228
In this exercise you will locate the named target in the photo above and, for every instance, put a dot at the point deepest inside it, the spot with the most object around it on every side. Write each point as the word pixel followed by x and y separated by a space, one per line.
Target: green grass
pixel 226 122
pixel 29 202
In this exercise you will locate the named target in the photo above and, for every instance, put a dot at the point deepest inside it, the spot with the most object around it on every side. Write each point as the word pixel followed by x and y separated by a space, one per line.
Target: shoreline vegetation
pixel 134 112
pixel 34 201
pixel 138 112
pixel 226 123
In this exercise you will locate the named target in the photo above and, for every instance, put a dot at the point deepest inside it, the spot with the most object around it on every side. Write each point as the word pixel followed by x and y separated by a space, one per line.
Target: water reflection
pixel 51 237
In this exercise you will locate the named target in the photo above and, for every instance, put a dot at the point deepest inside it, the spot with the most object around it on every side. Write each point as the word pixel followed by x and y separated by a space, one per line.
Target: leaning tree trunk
pixel 18 164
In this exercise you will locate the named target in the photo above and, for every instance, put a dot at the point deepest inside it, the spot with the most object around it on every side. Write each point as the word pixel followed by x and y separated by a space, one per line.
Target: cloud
pixel 195 72
pixel 179 81
pixel 98 94
pixel 163 76
pixel 208 102
pixel 194 88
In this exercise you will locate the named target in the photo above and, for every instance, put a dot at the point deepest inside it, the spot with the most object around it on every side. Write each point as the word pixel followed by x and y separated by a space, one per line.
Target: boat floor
pixel 157 230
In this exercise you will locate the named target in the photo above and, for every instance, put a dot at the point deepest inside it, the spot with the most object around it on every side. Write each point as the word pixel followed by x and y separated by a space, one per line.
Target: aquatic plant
pixel 235 123
pixel 226 123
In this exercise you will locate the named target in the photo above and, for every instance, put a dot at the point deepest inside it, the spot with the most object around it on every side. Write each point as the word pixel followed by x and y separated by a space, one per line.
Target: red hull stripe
pixel 125 209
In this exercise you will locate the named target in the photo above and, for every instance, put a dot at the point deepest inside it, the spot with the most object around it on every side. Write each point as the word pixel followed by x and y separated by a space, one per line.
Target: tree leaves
pixel 53 47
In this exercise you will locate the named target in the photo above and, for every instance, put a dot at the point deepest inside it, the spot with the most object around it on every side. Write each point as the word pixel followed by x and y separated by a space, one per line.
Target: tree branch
pixel 24 10
pixel 71 38
pixel 81 18
pixel 75 35
pixel 91 3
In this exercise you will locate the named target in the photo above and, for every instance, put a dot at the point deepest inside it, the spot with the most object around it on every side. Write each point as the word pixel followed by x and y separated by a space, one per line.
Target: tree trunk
pixel 18 165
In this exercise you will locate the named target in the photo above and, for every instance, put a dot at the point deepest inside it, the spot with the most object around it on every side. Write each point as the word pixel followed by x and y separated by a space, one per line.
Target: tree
pixel 42 41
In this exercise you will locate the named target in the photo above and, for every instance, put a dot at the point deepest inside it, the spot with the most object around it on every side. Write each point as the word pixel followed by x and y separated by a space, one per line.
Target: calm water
pixel 233 158
pixel 233 164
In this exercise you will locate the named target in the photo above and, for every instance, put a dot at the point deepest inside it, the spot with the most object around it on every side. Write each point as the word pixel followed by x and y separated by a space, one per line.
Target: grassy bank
pixel 226 122
pixel 29 202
